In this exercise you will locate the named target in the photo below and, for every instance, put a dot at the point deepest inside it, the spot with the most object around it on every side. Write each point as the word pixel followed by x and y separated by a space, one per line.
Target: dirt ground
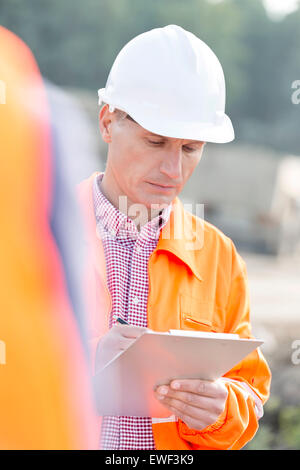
pixel 274 284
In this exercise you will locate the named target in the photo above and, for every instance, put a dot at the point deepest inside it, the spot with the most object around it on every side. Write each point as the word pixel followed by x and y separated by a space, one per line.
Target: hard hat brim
pixel 220 132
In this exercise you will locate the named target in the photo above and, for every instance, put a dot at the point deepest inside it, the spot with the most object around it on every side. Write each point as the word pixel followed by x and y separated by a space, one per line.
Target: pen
pixel 123 322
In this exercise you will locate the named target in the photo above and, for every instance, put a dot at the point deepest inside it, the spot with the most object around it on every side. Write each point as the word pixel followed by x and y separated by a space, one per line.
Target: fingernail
pixel 175 385
pixel 163 390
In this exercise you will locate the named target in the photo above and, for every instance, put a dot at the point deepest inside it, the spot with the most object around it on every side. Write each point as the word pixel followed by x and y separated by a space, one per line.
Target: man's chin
pixel 152 200
pixel 158 200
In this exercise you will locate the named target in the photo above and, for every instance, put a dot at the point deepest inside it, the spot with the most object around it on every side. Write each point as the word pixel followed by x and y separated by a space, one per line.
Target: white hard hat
pixel 172 84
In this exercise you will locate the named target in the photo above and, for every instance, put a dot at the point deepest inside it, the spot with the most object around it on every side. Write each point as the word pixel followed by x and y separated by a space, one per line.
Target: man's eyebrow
pixel 156 135
pixel 196 142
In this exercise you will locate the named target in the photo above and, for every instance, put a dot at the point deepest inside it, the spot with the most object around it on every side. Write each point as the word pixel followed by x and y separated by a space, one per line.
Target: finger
pixel 213 389
pixel 192 423
pixel 195 418
pixel 192 399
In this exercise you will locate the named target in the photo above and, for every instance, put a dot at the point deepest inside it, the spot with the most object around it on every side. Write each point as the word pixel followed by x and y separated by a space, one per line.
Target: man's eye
pixel 153 142
pixel 189 149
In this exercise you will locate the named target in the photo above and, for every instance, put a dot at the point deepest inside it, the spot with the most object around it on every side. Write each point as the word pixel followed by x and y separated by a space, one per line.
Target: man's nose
pixel 171 164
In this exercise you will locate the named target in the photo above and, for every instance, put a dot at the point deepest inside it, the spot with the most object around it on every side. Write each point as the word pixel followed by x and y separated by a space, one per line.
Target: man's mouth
pixel 162 187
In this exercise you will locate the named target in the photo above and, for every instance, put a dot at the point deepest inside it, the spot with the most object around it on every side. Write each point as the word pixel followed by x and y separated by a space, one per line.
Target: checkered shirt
pixel 127 252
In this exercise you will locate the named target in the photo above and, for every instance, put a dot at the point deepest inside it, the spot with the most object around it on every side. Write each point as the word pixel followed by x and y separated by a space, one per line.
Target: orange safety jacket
pixel 197 281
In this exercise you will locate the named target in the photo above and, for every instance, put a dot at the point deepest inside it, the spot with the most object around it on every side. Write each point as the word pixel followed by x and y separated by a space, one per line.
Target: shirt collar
pixel 117 224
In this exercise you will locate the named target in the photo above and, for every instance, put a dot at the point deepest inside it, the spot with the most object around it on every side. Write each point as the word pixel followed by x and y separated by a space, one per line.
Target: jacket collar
pixel 183 236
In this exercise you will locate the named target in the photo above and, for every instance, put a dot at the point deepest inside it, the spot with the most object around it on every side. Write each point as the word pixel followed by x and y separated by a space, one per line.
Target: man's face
pixel 146 167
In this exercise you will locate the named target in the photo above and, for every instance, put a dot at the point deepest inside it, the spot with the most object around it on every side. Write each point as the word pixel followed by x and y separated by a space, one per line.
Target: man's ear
pixel 105 119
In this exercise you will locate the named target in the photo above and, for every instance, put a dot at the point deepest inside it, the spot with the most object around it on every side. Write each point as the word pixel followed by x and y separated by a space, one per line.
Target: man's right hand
pixel 117 339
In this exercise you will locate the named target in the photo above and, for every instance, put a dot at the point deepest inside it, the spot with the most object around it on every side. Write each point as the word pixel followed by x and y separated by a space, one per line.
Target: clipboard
pixel 128 381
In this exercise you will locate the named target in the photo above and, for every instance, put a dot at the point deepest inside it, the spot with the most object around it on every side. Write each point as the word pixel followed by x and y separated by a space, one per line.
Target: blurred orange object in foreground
pixel 46 397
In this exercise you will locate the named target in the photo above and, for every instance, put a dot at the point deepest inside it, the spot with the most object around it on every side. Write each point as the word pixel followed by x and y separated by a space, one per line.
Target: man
pixel 164 99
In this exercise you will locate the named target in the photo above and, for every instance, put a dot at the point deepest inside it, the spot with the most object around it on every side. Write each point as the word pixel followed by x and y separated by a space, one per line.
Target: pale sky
pixel 276 9
pixel 279 8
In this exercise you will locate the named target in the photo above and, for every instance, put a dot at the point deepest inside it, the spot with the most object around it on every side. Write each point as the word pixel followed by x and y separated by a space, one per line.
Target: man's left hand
pixel 198 403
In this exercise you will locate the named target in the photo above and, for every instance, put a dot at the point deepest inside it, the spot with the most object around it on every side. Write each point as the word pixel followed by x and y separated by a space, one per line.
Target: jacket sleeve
pixel 248 383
